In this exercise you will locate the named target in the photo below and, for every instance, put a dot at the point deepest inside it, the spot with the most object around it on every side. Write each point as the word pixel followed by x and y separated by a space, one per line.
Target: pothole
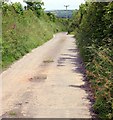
pixel 49 60
pixel 38 78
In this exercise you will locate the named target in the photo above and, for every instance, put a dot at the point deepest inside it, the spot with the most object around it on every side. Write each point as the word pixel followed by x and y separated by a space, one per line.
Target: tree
pixel 35 6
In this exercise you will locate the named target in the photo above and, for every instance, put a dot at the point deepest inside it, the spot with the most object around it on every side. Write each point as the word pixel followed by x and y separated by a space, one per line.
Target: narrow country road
pixel 46 83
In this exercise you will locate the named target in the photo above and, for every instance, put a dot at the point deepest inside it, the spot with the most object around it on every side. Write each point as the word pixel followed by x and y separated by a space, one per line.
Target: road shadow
pixel 76 60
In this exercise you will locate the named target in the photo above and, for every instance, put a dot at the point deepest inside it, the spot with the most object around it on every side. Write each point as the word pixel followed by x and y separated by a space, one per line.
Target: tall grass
pixel 24 31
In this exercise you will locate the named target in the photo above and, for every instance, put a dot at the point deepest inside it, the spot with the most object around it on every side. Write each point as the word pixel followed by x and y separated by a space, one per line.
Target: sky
pixel 58 4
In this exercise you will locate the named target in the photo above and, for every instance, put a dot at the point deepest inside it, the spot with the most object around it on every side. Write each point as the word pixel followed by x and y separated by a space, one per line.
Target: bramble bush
pixel 93 26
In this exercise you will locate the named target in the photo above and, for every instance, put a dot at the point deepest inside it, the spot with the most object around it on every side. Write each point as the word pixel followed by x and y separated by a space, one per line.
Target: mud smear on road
pixel 16 113
pixel 39 78
pixel 18 110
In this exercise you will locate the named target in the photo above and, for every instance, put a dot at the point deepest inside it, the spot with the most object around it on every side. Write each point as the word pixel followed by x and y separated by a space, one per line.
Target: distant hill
pixel 61 13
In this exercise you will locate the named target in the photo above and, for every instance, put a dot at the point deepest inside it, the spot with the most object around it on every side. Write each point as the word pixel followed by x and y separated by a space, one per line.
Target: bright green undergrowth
pixel 24 30
pixel 93 27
